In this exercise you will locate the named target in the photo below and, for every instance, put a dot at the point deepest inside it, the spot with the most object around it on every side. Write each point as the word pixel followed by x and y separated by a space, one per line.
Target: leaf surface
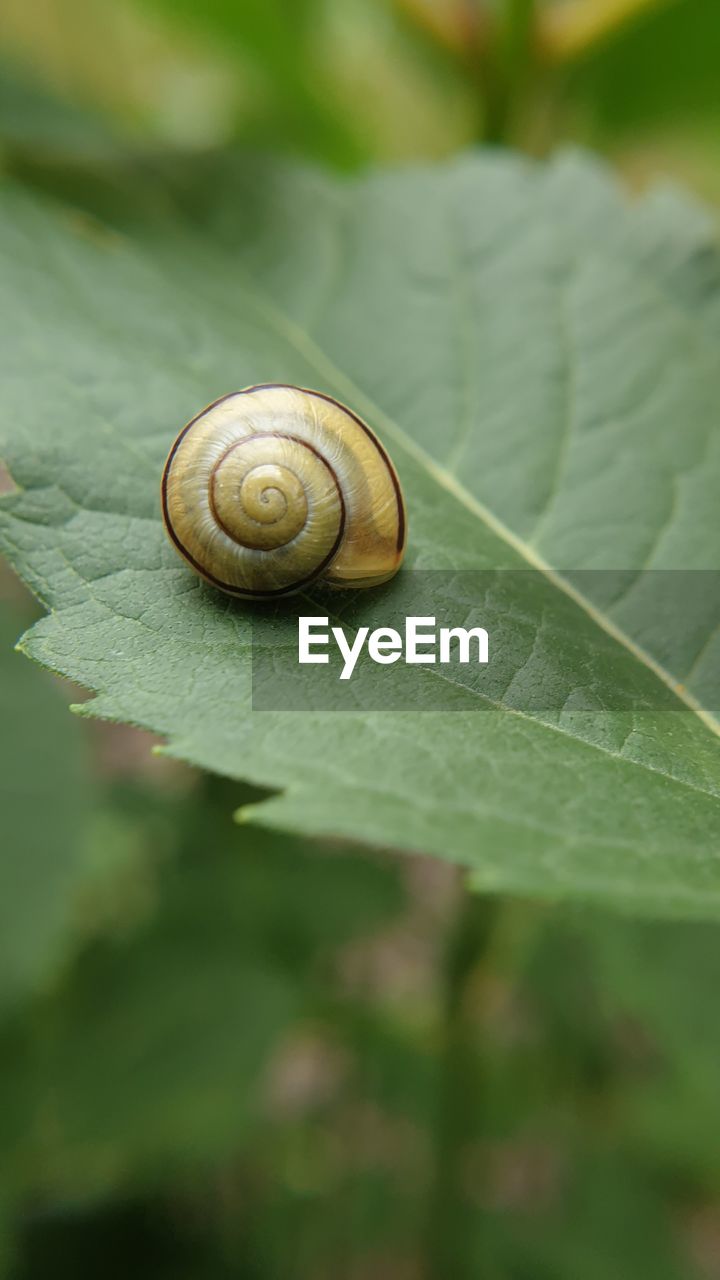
pixel 540 358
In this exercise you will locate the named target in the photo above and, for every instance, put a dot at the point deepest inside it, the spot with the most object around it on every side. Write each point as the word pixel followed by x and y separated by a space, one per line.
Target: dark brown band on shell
pixel 277 435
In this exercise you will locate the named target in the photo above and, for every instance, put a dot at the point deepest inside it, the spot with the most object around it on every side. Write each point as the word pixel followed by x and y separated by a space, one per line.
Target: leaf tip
pixel 244 814
pixel 8 483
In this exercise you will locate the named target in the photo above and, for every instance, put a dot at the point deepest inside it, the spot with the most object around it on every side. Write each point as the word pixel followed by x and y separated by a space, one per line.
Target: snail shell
pixel 273 487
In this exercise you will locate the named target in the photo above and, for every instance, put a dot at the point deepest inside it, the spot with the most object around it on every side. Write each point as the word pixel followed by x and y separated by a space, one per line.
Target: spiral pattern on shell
pixel 273 487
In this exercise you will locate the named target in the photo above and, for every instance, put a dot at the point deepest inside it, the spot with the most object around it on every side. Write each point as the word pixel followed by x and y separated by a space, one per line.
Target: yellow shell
pixel 273 487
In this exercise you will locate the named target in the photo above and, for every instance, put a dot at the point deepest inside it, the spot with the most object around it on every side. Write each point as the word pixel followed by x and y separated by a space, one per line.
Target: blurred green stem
pixel 506 67
pixel 459 1087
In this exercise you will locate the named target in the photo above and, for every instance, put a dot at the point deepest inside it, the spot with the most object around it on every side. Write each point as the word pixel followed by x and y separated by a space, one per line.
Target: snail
pixel 272 488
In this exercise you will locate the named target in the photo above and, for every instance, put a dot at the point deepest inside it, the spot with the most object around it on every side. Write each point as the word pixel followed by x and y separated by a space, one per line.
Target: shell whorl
pixel 275 486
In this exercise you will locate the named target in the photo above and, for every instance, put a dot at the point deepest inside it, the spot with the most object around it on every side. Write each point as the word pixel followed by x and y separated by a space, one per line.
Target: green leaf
pixel 539 356
pixel 46 806
pixel 659 69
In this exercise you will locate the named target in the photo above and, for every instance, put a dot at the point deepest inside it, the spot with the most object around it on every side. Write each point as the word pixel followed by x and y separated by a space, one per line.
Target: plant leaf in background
pixel 34 120
pixel 46 806
pixel 419 298
pixel 657 69
pixel 637 80
pixel 588 1043
pixel 153 1052
pixel 277 39
pixel 578 1076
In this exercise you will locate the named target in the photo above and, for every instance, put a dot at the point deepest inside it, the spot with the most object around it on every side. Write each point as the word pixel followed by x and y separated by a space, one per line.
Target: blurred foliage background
pixel 351 82
pixel 226 1054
